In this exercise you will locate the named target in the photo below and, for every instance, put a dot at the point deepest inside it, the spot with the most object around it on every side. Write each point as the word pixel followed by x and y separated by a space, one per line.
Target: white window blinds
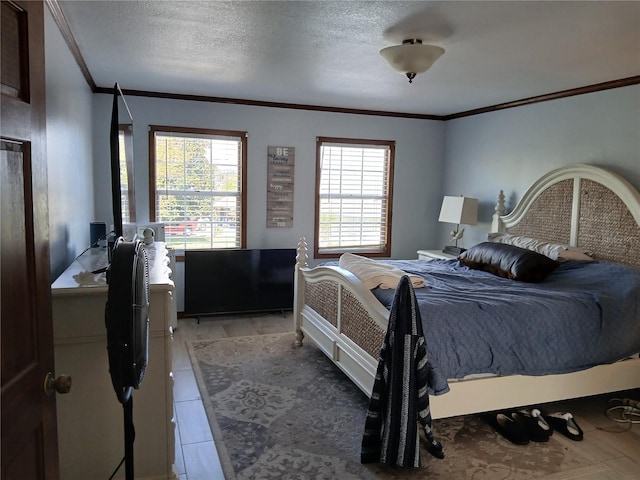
pixel 199 188
pixel 353 197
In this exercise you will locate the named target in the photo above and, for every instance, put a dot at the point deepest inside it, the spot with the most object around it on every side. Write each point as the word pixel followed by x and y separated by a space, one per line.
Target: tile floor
pixel 196 456
pixel 618 454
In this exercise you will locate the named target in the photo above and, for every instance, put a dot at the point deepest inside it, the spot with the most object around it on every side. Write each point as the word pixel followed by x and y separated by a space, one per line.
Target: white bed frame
pixel 350 298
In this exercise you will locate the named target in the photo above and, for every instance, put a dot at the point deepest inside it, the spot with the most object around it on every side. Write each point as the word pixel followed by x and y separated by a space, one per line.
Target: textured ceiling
pixel 326 53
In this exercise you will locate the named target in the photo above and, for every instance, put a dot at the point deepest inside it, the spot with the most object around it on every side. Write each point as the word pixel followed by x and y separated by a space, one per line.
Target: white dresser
pixel 90 418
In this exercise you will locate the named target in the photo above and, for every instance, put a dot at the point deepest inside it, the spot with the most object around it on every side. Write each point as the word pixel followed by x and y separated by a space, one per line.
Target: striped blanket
pixel 399 400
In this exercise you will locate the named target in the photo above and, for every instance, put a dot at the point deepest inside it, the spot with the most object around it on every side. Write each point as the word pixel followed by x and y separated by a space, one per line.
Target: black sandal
pixel 564 423
pixel 536 425
pixel 510 429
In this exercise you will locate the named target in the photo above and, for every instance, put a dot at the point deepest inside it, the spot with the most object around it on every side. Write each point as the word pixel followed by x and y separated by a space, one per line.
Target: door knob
pixel 52 385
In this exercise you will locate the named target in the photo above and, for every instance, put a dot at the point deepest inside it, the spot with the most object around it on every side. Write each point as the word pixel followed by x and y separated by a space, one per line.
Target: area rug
pixel 278 411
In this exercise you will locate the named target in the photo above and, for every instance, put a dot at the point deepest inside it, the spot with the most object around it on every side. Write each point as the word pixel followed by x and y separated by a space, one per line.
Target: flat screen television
pixel 238 281
pixel 121 163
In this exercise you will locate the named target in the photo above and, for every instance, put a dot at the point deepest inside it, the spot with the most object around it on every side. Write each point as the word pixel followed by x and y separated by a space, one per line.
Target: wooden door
pixel 29 438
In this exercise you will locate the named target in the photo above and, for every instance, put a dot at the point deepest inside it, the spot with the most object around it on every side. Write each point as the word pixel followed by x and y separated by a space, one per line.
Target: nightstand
pixel 434 255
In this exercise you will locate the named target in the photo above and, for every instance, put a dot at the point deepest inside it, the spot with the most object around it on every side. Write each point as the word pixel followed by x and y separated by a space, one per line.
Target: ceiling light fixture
pixel 412 57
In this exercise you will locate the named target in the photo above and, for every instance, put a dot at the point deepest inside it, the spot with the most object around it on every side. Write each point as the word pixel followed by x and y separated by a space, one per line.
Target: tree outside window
pixel 199 186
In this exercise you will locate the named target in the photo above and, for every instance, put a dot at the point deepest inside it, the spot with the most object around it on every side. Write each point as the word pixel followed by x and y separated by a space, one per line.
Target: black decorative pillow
pixel 508 261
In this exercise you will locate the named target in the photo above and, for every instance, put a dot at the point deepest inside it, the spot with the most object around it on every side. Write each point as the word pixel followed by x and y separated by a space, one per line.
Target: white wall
pixel 69 151
pixel 509 149
pixel 418 162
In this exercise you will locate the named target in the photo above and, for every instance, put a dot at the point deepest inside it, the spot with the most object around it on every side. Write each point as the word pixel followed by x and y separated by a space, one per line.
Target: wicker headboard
pixel 583 206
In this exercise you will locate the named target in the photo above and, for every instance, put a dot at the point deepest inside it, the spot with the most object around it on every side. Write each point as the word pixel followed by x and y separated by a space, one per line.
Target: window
pixel 354 185
pixel 125 150
pixel 198 186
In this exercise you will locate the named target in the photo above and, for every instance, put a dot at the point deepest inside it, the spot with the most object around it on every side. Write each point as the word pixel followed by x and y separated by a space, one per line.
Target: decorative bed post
pixel 496 224
pixel 298 291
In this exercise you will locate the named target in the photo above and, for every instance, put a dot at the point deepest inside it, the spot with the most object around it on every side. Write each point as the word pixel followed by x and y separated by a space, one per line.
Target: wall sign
pixel 280 186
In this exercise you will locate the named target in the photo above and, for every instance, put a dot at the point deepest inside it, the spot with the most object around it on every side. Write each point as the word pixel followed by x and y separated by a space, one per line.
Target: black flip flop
pixel 564 423
pixel 536 425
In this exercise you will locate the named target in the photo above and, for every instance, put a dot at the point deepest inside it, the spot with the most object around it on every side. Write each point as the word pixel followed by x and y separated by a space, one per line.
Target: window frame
pixel 242 135
pixel 385 251
pixel 125 135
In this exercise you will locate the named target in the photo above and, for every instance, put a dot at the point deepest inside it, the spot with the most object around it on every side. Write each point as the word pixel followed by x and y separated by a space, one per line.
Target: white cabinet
pixel 90 418
pixel 434 255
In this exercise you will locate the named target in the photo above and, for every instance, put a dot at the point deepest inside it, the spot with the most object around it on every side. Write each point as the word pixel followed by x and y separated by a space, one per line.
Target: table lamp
pixel 461 211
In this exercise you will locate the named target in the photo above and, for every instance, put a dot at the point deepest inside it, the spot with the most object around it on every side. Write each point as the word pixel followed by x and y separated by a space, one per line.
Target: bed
pixel 583 206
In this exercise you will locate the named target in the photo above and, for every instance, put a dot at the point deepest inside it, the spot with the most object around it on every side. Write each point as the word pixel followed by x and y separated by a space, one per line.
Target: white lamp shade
pixel 411 57
pixel 459 210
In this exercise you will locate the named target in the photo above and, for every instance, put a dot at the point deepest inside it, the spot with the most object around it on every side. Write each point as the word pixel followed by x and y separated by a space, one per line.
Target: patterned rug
pixel 281 412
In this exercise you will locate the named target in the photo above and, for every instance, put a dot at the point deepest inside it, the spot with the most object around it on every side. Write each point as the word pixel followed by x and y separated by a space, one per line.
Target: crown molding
pixel 598 87
pixel 67 34
pixel 260 103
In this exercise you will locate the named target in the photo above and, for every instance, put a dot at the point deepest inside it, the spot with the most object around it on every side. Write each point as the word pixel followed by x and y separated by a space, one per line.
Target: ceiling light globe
pixel 411 57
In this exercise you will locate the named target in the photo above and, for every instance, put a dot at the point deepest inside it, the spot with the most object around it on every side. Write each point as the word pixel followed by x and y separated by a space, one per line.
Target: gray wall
pixel 69 151
pixel 417 173
pixel 510 149
pixel 418 162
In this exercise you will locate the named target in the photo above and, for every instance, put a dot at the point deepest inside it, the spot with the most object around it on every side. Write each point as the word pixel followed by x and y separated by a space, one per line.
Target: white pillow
pixel 569 254
pixel 553 250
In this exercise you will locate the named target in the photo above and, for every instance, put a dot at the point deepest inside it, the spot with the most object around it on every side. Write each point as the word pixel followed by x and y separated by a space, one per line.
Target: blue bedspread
pixel 583 314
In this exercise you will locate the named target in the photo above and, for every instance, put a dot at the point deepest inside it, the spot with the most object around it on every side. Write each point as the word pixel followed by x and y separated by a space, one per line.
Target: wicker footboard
pixel 341 316
pixel 355 321
pixel 358 325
